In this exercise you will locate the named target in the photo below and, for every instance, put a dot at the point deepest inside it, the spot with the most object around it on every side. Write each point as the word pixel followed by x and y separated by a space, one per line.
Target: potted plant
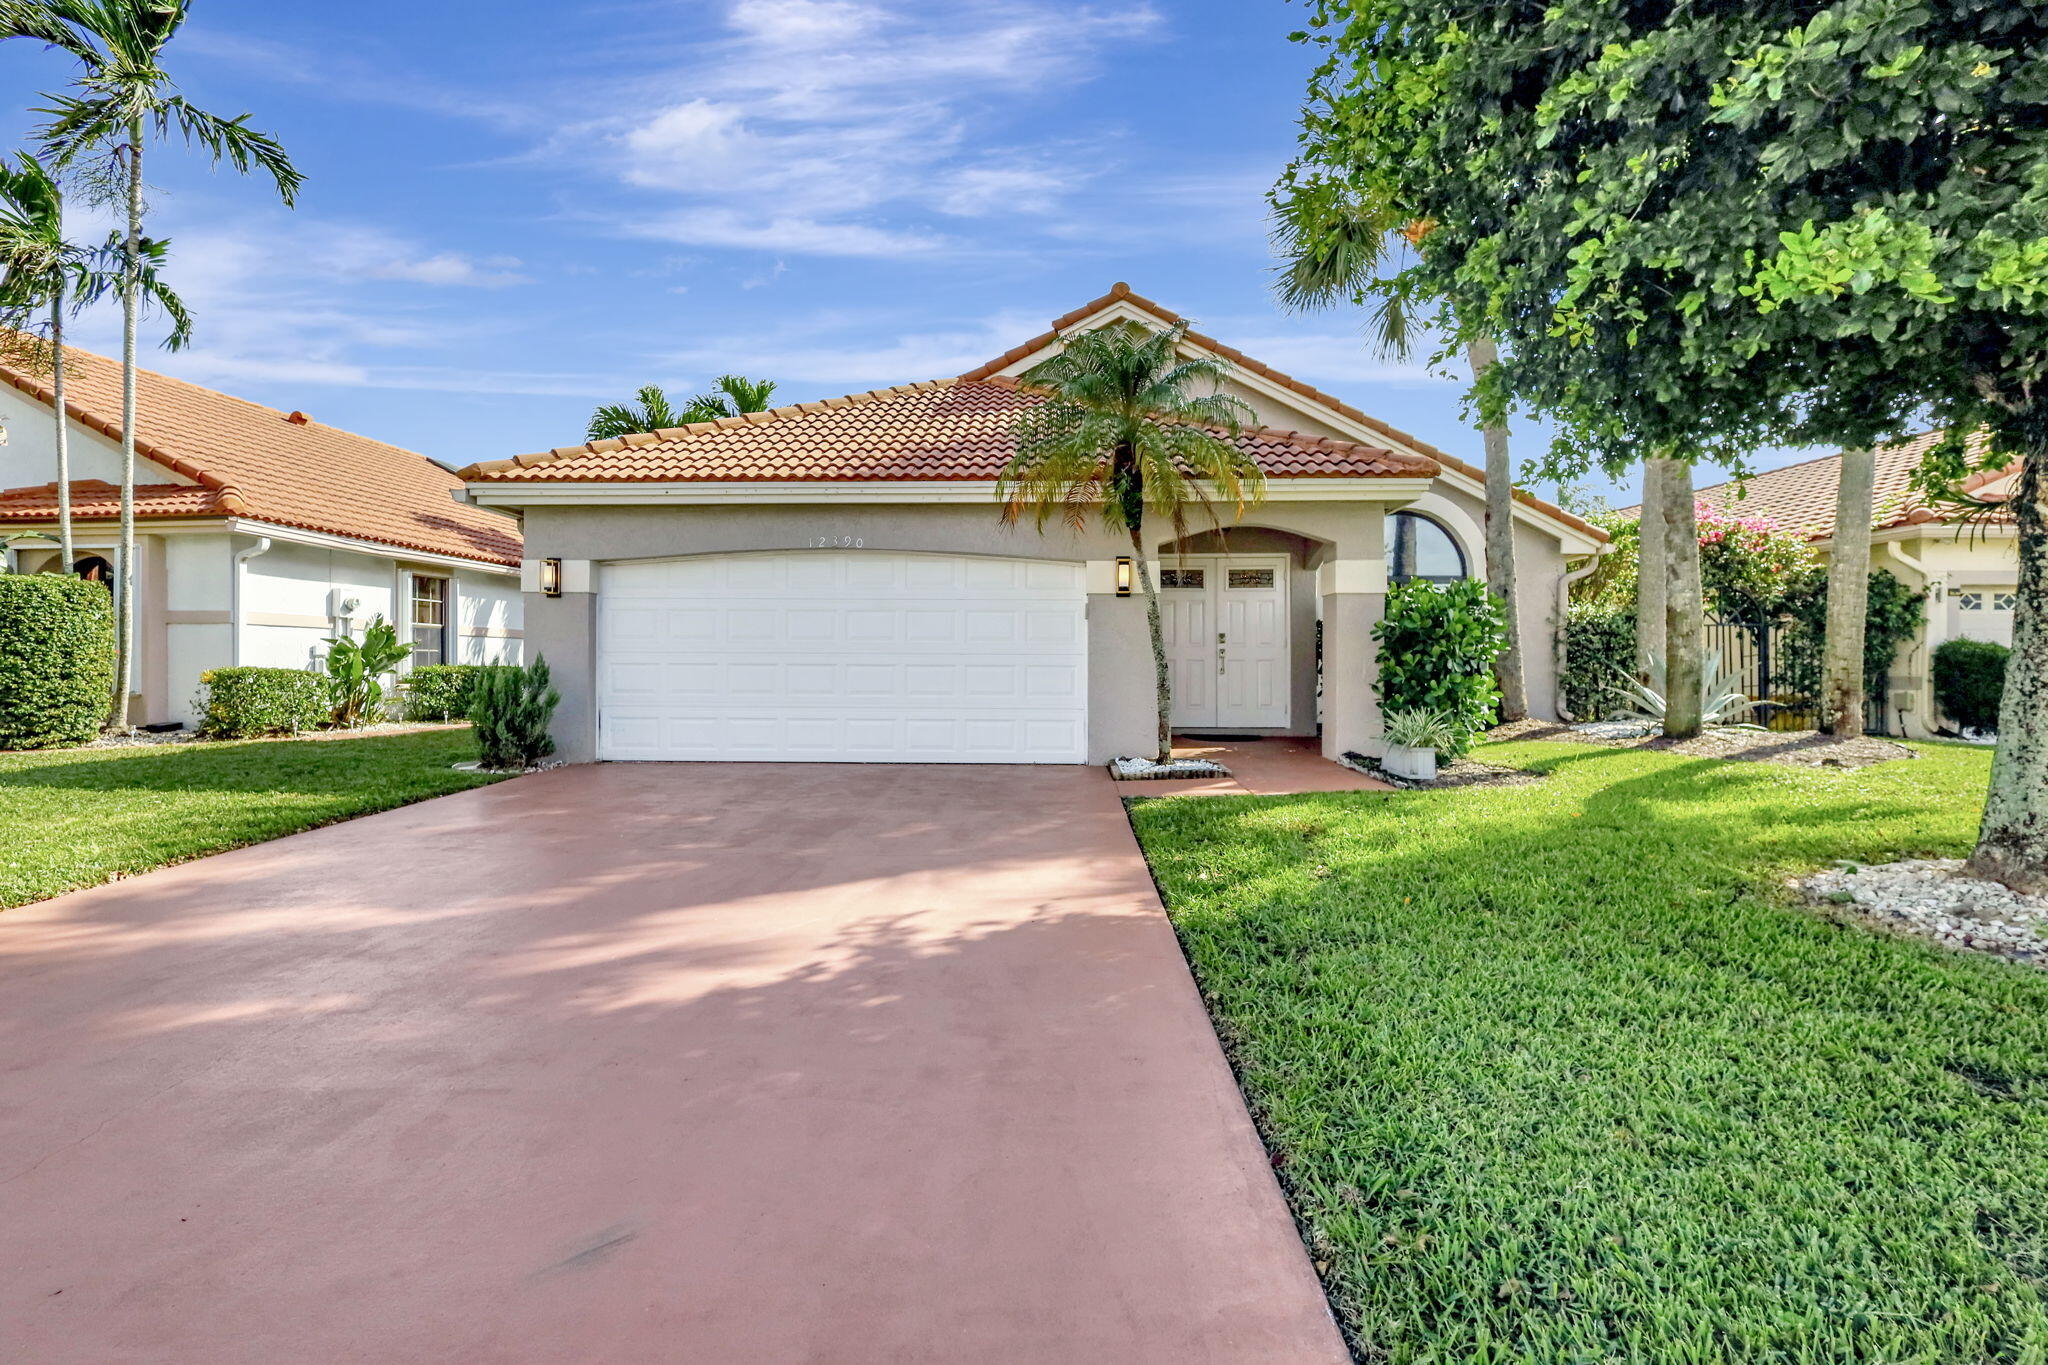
pixel 1415 738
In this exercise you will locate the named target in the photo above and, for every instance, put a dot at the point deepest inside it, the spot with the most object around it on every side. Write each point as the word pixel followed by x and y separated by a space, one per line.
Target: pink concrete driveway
pixel 697 1063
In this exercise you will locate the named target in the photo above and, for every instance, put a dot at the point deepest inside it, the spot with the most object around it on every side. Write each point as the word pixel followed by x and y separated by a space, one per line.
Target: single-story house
pixel 259 533
pixel 832 581
pixel 1970 571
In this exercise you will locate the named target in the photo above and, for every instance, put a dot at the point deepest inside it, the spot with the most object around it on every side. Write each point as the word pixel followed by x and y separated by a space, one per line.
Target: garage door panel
pixel 843 656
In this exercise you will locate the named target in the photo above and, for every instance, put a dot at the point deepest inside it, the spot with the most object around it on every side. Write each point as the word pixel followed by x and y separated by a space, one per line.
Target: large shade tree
pixel 122 98
pixel 1704 229
pixel 1129 428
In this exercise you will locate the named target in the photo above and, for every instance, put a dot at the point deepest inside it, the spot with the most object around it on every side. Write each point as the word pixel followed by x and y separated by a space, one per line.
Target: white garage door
pixel 830 656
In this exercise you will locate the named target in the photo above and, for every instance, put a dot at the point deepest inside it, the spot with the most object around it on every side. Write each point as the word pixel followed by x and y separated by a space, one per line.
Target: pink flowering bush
pixel 1751 567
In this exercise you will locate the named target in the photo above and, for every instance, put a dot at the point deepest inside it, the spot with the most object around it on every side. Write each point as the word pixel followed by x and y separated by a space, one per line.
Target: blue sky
pixel 516 211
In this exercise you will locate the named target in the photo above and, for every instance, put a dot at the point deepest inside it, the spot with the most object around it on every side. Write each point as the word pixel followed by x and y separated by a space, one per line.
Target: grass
pixel 1558 1073
pixel 78 817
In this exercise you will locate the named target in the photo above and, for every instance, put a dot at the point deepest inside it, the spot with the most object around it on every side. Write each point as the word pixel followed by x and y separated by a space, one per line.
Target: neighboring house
pixel 259 533
pixel 1971 572
pixel 832 581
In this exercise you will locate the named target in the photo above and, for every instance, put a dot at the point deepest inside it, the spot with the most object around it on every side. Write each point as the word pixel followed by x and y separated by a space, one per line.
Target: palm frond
pixel 232 140
pixel 46 23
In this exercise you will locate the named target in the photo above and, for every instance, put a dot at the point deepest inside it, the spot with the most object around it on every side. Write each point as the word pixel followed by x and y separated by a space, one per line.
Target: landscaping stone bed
pixel 1127 769
pixel 1931 898
pixel 1801 748
pixel 1459 772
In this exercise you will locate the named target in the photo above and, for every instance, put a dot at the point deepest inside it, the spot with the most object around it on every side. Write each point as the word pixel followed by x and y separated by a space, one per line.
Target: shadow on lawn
pixel 310 766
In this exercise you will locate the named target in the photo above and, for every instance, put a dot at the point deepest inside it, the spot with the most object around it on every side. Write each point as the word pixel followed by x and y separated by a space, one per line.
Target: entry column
pixel 1354 598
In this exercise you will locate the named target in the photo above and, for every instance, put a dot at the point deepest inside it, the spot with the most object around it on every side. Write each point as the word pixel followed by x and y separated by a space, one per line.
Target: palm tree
pixel 125 94
pixel 730 396
pixel 1335 246
pixel 1843 686
pixel 39 268
pixel 614 420
pixel 1123 427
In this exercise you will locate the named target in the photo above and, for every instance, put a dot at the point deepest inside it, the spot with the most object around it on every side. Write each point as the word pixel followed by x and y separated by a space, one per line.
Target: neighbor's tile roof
pixel 947 429
pixel 256 462
pixel 1801 497
pixel 95 498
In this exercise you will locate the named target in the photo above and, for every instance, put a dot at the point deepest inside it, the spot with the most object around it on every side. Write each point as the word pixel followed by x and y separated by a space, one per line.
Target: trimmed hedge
pixel 242 703
pixel 443 691
pixel 1437 646
pixel 56 660
pixel 1599 651
pixel 1969 682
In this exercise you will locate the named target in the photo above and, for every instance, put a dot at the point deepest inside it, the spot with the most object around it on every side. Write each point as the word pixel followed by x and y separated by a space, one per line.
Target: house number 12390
pixel 837 543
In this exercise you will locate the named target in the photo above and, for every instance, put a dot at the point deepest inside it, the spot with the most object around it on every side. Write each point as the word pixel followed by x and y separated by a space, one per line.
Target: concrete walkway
pixel 692 1063
pixel 1258 767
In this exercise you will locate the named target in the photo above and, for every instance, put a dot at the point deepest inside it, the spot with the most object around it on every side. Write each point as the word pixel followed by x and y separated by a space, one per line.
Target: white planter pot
pixel 1417 765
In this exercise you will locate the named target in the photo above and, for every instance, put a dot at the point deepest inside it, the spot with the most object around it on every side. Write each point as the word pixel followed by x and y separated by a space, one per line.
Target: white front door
pixel 1225 620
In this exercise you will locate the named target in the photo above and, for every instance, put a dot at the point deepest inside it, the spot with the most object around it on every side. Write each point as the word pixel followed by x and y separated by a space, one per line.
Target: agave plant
pixel 1422 728
pixel 1722 697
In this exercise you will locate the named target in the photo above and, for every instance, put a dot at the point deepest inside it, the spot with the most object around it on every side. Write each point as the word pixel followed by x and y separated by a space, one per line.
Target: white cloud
pixel 832 127
pixel 854 356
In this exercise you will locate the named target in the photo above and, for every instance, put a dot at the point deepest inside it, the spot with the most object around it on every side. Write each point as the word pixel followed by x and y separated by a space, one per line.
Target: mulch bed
pixel 1799 748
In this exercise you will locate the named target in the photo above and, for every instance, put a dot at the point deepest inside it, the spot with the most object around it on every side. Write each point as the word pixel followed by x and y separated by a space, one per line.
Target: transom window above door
pixel 1418 547
pixel 429 619
pixel 1196 579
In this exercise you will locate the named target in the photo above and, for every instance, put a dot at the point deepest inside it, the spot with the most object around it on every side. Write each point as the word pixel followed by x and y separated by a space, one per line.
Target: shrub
pixel 1969 682
pixel 1434 730
pixel 1437 644
pixel 241 703
pixel 356 670
pixel 441 691
pixel 56 660
pixel 1599 650
pixel 511 709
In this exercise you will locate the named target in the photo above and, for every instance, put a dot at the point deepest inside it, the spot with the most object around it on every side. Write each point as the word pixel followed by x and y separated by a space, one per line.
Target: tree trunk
pixel 1500 546
pixel 1683 626
pixel 2013 845
pixel 70 551
pixel 1650 573
pixel 131 307
pixel 1161 676
pixel 1842 690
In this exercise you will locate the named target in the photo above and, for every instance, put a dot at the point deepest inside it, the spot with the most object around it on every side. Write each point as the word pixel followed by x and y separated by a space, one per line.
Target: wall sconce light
pixel 551 577
pixel 1123 576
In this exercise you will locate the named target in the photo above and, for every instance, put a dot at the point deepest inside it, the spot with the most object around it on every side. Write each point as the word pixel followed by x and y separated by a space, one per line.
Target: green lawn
pixel 78 817
pixel 1557 1073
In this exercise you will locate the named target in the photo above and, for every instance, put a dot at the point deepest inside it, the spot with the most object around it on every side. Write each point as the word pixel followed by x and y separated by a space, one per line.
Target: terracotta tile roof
pixel 1801 497
pixel 95 498
pixel 271 466
pixel 945 429
pixel 1122 292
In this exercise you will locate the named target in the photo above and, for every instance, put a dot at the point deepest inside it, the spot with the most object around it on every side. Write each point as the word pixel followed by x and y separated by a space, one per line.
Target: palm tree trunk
pixel 1162 677
pixel 1683 604
pixel 131 307
pixel 1842 682
pixel 2013 845
pixel 1650 574
pixel 1500 545
pixel 63 433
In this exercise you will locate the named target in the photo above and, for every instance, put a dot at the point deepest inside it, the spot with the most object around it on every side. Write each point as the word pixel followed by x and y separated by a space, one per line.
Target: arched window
pixel 1420 548
pixel 94 569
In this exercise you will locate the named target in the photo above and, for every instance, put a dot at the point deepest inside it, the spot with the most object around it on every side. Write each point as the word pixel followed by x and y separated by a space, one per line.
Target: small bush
pixel 511 709
pixel 1599 650
pixel 356 670
pixel 1969 682
pixel 56 660
pixel 242 703
pixel 1437 647
pixel 442 691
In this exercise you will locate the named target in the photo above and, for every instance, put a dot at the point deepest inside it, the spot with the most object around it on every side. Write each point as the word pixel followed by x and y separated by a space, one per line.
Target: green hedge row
pixel 1599 651
pixel 443 691
pixel 241 703
pixel 1969 682
pixel 56 660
